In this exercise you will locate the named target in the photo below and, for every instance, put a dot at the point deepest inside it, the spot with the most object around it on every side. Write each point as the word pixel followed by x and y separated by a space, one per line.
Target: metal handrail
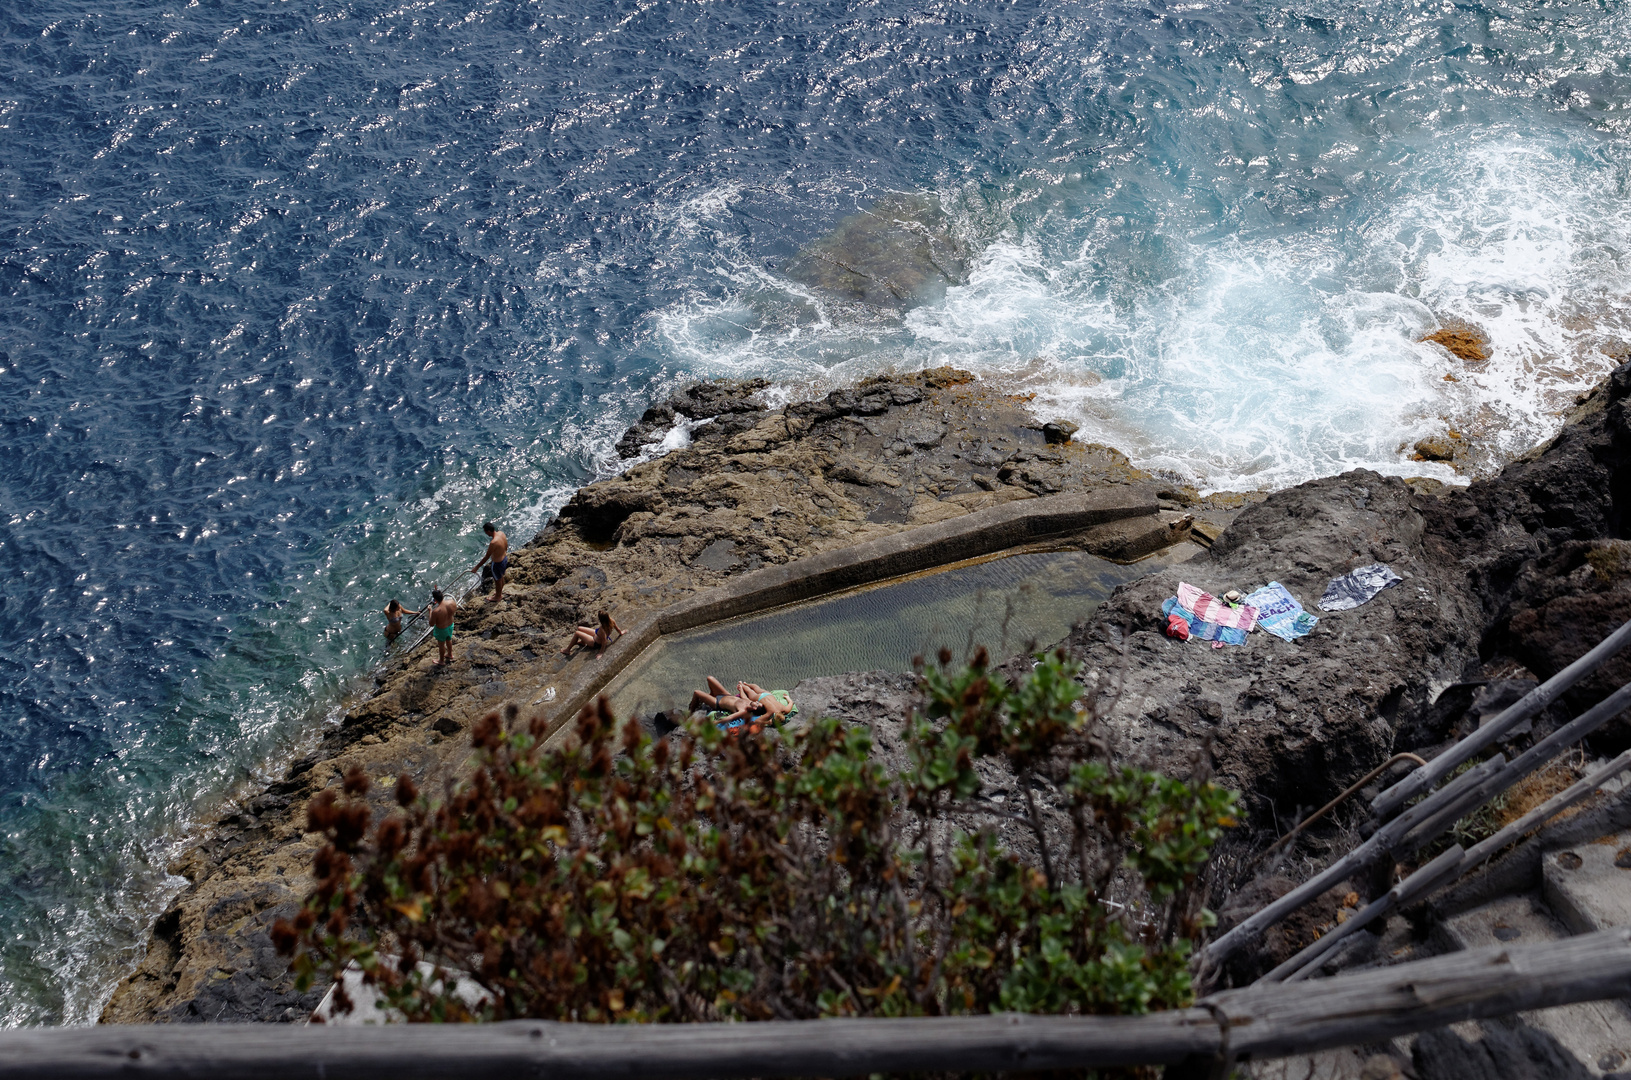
pixel 420 640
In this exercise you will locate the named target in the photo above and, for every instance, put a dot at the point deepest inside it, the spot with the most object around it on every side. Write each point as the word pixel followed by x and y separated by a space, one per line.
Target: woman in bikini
pixel 598 636
pixel 777 704
pixel 716 699
pixel 393 620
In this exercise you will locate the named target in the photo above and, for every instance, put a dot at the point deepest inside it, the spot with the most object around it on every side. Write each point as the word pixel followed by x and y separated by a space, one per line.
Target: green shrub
pixel 787 875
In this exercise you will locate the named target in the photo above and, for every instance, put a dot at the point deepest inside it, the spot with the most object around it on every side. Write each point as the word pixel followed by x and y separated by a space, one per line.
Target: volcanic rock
pixel 1528 568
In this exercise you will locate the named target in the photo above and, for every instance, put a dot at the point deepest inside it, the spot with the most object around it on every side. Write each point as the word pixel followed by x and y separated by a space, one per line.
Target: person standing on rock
pixel 442 612
pixel 498 550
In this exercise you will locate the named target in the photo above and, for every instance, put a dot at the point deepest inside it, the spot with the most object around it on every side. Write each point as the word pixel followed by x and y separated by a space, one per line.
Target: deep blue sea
pixel 293 295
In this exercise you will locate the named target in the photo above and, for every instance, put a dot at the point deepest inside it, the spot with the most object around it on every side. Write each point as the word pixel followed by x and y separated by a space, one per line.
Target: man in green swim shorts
pixel 441 626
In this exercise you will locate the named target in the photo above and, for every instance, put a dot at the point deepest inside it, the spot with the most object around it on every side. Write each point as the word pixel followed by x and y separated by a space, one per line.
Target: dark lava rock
pixel 1059 431
pixel 1529 565
pixel 730 404
pixel 1292 723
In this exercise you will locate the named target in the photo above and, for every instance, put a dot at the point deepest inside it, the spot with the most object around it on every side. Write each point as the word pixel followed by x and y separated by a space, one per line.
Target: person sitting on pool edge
pixel 598 636
pixel 393 620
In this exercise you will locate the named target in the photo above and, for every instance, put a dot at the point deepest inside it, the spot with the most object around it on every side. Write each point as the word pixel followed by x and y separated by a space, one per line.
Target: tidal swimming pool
pixel 1008 605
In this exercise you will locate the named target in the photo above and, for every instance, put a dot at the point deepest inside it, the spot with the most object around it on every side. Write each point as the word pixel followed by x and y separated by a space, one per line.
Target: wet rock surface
pixel 1492 576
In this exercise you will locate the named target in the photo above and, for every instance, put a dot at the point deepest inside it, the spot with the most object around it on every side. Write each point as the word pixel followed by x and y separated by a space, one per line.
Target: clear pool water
pixel 1008 605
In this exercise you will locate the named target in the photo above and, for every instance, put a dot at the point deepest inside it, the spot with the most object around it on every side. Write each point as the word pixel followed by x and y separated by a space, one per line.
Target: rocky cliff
pixel 1518 570
pixel 755 486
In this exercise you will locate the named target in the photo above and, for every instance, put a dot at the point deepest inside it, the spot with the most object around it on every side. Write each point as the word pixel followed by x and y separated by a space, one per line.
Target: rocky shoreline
pixel 1504 581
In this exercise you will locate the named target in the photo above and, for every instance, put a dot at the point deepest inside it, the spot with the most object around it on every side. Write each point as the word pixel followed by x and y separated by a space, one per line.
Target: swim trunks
pixel 500 566
pixel 442 633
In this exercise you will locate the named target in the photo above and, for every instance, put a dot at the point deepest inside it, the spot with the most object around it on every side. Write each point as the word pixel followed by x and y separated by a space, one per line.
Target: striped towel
pixel 1209 618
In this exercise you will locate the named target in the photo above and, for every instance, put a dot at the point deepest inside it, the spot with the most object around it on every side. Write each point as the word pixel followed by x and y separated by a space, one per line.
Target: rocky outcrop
pixel 1504 583
pixel 1524 569
pixel 1291 723
pixel 755 487
pixel 1545 548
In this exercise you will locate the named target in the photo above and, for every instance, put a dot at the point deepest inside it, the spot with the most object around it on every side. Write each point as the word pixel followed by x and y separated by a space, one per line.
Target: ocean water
pixel 293 295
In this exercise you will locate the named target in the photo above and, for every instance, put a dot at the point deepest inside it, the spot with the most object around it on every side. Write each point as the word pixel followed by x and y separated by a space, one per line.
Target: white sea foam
pixel 1248 361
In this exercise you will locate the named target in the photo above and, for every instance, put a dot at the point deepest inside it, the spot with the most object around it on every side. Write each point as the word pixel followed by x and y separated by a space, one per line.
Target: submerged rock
pixel 897 253
pixel 1464 343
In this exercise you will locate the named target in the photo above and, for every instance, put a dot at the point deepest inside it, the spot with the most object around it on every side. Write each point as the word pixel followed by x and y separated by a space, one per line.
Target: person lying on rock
pixel 393 620
pixel 777 704
pixel 598 636
pixel 716 699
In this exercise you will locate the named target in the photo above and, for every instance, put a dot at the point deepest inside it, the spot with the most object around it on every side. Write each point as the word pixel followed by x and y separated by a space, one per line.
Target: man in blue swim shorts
pixel 498 550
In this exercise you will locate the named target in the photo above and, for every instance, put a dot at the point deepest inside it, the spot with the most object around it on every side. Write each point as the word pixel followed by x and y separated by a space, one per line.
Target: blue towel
pixel 1279 613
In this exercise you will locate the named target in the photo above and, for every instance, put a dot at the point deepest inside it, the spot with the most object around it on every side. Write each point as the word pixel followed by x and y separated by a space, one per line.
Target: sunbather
pixel 716 699
pixel 777 704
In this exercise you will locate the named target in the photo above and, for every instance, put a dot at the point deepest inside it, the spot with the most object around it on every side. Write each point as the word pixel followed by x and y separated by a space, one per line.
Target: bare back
pixel 441 616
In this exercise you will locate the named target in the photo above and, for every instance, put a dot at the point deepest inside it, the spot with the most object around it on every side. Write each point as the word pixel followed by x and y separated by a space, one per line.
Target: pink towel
pixel 1209 609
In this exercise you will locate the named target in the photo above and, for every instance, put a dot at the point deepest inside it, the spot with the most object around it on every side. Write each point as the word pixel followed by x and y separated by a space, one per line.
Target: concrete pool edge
pixel 1138 526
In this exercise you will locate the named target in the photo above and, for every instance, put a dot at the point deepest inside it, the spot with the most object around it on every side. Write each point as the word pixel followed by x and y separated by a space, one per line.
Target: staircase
pixel 1584 887
pixel 1573 876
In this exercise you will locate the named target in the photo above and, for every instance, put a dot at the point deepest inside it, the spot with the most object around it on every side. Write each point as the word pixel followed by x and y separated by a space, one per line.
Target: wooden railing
pixel 1262 1021
pixel 1402 830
